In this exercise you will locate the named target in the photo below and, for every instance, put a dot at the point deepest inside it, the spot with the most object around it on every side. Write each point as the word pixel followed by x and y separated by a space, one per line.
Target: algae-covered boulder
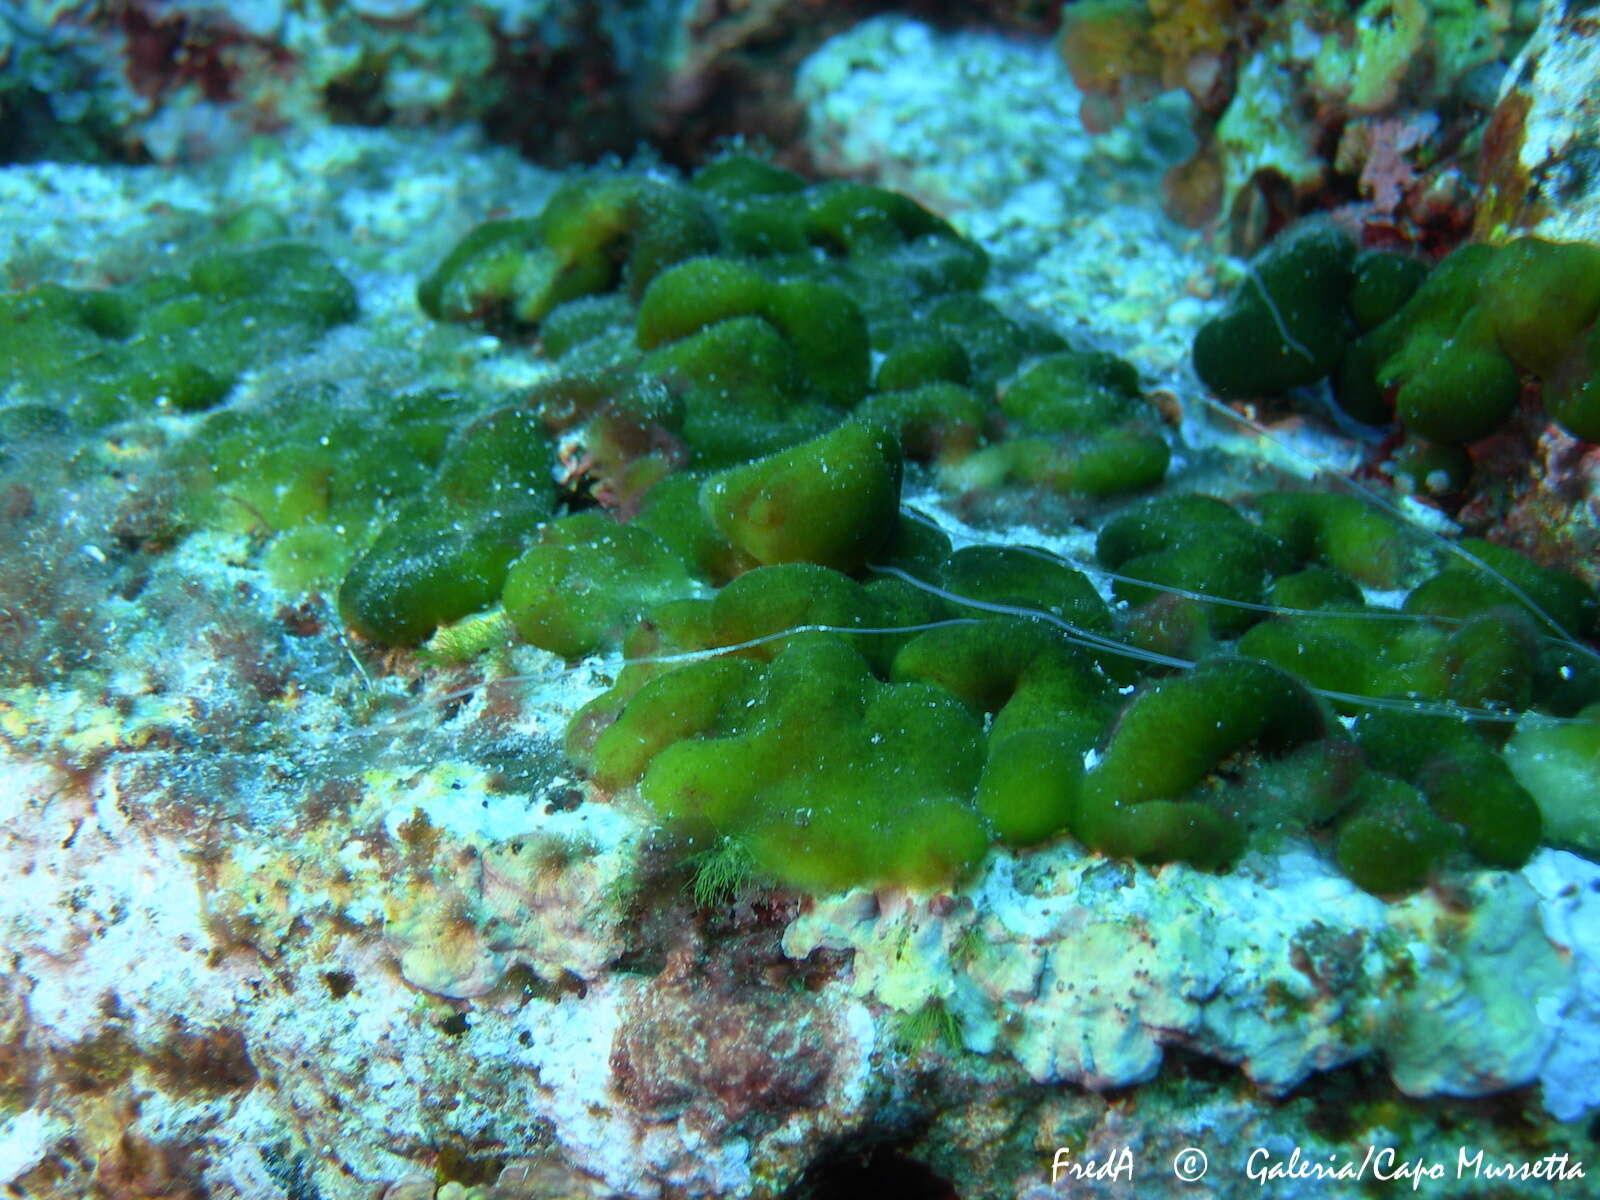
pixel 857 705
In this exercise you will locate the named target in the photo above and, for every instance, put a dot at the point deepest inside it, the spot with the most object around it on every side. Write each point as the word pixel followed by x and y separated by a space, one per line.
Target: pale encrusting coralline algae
pixel 1032 621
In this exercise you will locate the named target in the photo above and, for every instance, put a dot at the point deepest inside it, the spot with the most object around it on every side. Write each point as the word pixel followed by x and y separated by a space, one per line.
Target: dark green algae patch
pixel 168 340
pixel 1444 351
pixel 745 368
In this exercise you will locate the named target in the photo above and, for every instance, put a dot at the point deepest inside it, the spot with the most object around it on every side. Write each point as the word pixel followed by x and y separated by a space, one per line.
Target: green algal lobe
pixel 832 501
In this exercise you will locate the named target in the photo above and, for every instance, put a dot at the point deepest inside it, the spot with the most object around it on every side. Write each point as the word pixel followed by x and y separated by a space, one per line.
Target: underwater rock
pixel 312 914
pixel 1270 86
pixel 1084 971
pixel 195 81
pixel 1536 175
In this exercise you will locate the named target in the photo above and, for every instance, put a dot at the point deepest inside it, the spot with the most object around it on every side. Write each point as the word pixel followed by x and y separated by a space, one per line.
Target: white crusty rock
pixel 1538 171
pixel 1083 970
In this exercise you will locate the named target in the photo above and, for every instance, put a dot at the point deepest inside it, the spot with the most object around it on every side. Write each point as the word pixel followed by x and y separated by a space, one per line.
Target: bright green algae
pixel 708 326
pixel 876 757
pixel 746 368
pixel 830 775
pixel 1197 765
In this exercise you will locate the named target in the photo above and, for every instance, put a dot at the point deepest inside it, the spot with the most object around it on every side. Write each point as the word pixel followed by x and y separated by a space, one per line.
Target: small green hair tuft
pixel 722 874
pixel 931 1025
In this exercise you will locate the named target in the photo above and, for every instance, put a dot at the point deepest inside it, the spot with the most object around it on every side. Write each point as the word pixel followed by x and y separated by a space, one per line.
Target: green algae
pixel 585 580
pixel 1381 282
pixel 315 472
pixel 446 554
pixel 832 501
pixel 1486 662
pixel 723 874
pixel 915 361
pixel 167 341
pixel 1194 544
pixel 597 232
pixel 1559 766
pixel 673 512
pixel 1344 533
pixel 877 791
pixel 1194 766
pixel 1021 576
pixel 936 422
pixel 817 679
pixel 1021 675
pixel 818 322
pixel 1030 786
pixel 763 334
pixel 1464 781
pixel 1077 424
pixel 1393 839
pixel 1284 326
pixel 1441 352
pixel 1425 468
pixel 1113 463
pixel 424 571
pixel 1139 800
pixel 755 609
pixel 1452 382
